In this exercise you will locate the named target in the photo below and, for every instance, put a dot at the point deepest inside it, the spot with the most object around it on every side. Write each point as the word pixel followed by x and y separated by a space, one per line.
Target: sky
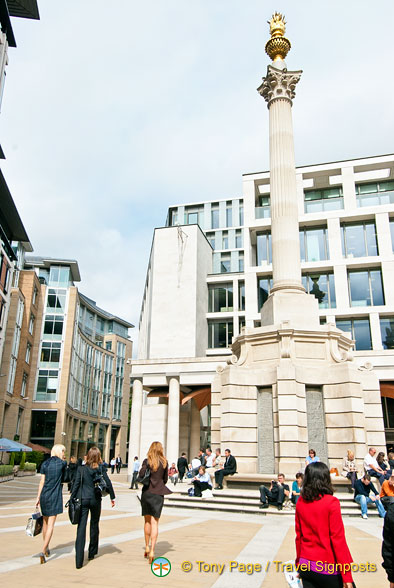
pixel 114 111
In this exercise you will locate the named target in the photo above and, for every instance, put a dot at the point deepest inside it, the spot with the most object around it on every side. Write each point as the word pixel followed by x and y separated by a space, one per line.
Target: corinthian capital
pixel 279 84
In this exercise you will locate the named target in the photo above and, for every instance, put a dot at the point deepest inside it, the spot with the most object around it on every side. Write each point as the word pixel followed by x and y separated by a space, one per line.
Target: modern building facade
pixel 66 361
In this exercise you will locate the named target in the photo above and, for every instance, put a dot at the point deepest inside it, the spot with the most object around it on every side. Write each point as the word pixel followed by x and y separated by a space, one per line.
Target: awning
pixel 36 447
pixel 8 445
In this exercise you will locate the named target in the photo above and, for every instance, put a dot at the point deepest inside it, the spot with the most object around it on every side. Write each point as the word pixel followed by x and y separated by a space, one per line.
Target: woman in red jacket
pixel 322 553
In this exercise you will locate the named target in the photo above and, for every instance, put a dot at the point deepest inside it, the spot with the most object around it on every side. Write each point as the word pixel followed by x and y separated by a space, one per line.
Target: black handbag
pixel 74 506
pixel 100 485
pixel 145 479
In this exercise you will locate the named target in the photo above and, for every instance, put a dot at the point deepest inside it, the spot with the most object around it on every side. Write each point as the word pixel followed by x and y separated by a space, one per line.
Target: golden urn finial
pixel 278 46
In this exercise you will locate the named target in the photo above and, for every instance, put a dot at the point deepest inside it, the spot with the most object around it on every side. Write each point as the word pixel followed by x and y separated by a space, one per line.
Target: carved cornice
pixel 279 84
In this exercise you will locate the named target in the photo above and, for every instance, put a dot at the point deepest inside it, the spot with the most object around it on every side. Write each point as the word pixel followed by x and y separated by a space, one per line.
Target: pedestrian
pixel 113 465
pixel 118 464
pixel 320 535
pixel 388 544
pixel 49 498
pixel 182 466
pixel 152 497
pixel 136 469
pixel 72 469
pixel 84 487
pixel 362 489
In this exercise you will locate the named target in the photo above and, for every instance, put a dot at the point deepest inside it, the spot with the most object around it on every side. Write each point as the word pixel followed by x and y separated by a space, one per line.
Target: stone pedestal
pixel 300 309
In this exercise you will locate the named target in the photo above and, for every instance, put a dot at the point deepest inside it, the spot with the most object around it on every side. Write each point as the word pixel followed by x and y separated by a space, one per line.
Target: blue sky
pixel 113 111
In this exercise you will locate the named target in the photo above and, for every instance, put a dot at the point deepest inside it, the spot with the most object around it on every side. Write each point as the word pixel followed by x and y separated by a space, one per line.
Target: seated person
pixel 296 487
pixel 383 464
pixel 391 459
pixel 312 457
pixel 201 482
pixel 362 488
pixel 229 467
pixel 195 465
pixel 275 494
pixel 173 473
pixel 349 468
pixel 387 492
pixel 372 467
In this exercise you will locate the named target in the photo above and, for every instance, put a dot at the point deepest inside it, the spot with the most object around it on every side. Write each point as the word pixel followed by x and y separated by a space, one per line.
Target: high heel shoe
pixel 147 551
pixel 47 553
pixel 151 557
pixel 42 558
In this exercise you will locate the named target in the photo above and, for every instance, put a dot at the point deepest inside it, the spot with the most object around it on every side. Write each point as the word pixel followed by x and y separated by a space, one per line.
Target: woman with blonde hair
pixel 152 497
pixel 349 467
pixel 84 487
pixel 49 497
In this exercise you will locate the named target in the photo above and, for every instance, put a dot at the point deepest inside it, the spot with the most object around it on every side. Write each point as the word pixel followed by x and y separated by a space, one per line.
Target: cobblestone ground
pixel 184 536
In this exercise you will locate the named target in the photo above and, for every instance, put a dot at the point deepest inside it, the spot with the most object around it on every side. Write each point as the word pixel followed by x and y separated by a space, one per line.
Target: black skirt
pixel 151 504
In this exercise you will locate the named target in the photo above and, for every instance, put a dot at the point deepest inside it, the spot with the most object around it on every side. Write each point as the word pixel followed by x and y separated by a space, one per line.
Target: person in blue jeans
pixel 362 489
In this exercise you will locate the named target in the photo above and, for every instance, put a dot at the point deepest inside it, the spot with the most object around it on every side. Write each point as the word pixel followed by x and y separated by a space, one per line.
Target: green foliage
pixel 6 470
pixel 23 460
pixel 29 467
pixel 36 457
pixel 12 459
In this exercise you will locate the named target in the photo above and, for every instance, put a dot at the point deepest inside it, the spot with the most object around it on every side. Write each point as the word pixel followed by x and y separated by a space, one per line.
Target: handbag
pixel 34 524
pixel 145 479
pixel 100 485
pixel 74 506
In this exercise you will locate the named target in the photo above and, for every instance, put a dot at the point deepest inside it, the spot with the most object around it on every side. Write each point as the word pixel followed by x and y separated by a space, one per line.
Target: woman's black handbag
pixel 100 485
pixel 145 479
pixel 74 506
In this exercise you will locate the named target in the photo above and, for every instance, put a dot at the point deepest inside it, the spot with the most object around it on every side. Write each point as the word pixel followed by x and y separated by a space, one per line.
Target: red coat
pixel 320 535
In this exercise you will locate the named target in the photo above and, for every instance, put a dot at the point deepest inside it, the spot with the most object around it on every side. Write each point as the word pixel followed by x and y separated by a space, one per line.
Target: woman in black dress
pixel 152 497
pixel 84 487
pixel 49 497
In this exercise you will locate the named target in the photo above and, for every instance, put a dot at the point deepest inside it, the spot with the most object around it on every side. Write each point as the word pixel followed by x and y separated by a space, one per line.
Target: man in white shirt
pixel 372 468
pixel 196 464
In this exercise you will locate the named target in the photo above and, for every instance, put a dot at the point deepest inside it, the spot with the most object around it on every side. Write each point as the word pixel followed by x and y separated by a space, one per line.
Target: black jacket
pixel 230 465
pixel 364 489
pixel 182 464
pixel 87 475
pixel 388 543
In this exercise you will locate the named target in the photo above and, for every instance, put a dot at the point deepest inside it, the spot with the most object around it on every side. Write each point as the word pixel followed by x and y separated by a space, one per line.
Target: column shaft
pixel 135 426
pixel 172 449
pixel 194 430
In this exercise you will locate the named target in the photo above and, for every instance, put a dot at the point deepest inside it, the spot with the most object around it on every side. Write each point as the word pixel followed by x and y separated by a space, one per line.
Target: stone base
pixel 300 310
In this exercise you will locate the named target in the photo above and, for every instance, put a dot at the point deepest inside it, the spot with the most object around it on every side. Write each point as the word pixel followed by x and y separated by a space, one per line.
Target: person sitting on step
pixel 276 494
pixel 229 467
pixel 201 482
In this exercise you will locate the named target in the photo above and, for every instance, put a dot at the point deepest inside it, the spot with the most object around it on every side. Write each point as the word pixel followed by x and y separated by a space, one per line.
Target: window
pixel 4 271
pixel 28 353
pixel 375 194
pixel 263 210
pixel 43 425
pixel 322 286
pixel 50 352
pixel 53 327
pixel 241 323
pixel 108 345
pixel 263 248
pixel 229 214
pixel 323 200
pixel 220 297
pixel 366 288
pixel 19 420
pixel 225 263
pixel 215 217
pixel 392 233
pixel 359 240
pixel 59 276
pixel 56 302
pixel 35 292
pixel 31 324
pixel 388 412
pixel 240 261
pixel 264 286
pixel 387 331
pixel 194 215
pixel 211 239
pixel 225 240
pixel 238 239
pixel 173 217
pixel 24 384
pixel 241 213
pixel 241 295
pixel 313 244
pixel 47 385
pixel 359 330
pixel 220 334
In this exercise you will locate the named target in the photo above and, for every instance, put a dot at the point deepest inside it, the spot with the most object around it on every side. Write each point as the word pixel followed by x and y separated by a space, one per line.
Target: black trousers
pixel 94 506
pixel 315 580
pixel 277 498
pixel 181 474
pixel 134 481
pixel 199 487
pixel 219 475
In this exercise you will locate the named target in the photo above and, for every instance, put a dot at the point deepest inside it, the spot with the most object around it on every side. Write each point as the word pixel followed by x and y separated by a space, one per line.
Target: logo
pixel 161 567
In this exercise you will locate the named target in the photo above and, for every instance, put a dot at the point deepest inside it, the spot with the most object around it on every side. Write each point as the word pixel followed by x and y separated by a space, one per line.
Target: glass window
pixel 43 425
pixel 31 324
pixel 263 210
pixel 225 263
pixel 241 295
pixel 225 240
pixel 388 412
pixel 359 330
pixel 47 385
pixel 359 240
pixel 323 200
pixel 220 334
pixel 50 352
pixel 220 297
pixel 375 193
pixel 263 248
pixel 366 288
pixel 313 244
pixel 240 261
pixel 238 239
pixel 59 276
pixel 24 384
pixel 108 345
pixel 215 217
pixel 241 323
pixel 173 216
pixel 263 289
pixel 229 214
pixel 392 233
pixel 28 353
pixel 211 239
pixel 53 327
pixel 387 331
pixel 322 286
pixel 241 213
pixel 56 301
pixel 35 292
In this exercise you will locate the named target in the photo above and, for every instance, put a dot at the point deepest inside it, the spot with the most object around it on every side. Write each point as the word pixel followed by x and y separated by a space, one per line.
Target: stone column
pixel 172 449
pixel 194 429
pixel 135 425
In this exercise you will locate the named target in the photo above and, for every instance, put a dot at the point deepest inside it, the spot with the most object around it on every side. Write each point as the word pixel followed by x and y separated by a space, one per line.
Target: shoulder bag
pixel 100 485
pixel 145 479
pixel 74 506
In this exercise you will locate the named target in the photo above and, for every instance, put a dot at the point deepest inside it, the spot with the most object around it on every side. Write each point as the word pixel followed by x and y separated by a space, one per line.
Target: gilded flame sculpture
pixel 278 45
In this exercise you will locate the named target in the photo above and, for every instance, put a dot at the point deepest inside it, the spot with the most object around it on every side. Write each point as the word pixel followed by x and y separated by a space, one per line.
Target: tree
pixel 22 464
